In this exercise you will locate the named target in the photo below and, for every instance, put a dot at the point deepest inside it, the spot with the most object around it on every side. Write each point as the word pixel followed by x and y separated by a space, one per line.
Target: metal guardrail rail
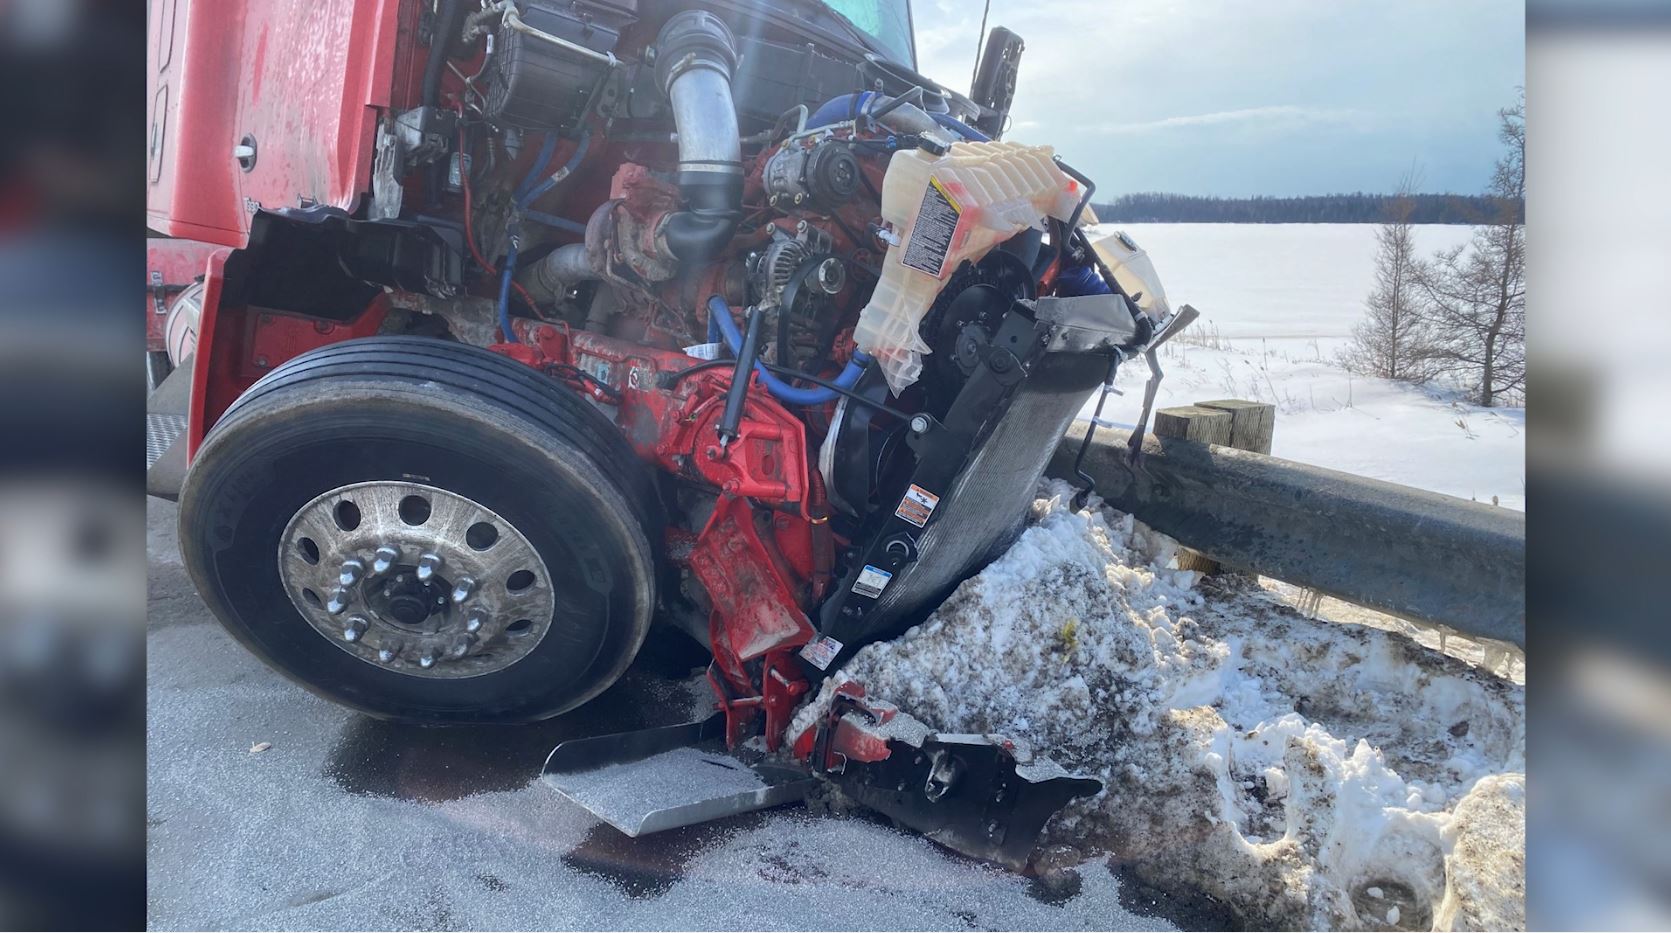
pixel 1413 553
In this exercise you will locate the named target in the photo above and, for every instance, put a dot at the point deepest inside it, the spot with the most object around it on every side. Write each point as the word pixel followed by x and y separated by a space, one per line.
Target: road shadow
pixel 648 866
pixel 431 764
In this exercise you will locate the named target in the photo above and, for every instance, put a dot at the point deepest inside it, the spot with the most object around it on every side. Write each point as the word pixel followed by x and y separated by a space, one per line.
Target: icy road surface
pixel 348 823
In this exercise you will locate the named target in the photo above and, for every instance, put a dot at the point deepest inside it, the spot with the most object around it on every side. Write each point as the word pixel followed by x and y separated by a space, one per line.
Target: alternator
pixel 773 267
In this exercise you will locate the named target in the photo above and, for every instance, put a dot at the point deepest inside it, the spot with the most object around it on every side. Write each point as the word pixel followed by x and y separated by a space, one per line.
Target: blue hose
pixel 531 195
pixel 1081 280
pixel 505 293
pixel 546 149
pixel 552 220
pixel 526 194
pixel 837 109
pixel 719 318
pixel 960 128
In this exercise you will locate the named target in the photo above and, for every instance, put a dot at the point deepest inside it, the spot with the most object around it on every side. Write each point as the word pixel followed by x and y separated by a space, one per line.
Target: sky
pixel 1249 97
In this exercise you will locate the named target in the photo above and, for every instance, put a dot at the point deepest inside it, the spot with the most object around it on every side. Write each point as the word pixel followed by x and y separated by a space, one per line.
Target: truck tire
pixel 425 531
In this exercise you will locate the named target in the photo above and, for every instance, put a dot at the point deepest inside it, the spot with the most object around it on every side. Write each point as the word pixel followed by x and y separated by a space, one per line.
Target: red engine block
pixel 765 551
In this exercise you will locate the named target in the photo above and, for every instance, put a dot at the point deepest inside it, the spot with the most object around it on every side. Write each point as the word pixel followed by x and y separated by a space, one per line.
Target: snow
pixel 1306 773
pixel 1277 303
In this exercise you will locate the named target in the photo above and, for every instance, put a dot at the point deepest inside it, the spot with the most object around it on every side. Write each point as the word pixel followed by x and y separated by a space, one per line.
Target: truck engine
pixel 654 319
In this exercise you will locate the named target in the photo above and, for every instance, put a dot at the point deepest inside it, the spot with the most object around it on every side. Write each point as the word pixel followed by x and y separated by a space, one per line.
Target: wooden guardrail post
pixel 1194 423
pixel 1236 423
pixel 1251 423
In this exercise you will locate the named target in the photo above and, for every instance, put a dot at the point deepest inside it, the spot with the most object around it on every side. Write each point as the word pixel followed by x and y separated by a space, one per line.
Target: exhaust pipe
pixel 696 57
pixel 561 269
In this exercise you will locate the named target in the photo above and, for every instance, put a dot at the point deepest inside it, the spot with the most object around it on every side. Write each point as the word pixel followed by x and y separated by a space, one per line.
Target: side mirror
pixel 994 86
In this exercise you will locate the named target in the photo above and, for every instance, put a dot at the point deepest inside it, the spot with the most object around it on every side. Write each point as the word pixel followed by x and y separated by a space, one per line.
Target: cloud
pixel 1284 116
pixel 1216 96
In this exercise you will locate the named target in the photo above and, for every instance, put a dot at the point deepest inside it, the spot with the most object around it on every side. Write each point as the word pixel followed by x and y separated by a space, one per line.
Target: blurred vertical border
pixel 1599 463
pixel 72 573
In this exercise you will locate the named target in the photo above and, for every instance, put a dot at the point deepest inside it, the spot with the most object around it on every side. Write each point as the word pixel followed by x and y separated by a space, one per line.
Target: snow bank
pixel 1307 773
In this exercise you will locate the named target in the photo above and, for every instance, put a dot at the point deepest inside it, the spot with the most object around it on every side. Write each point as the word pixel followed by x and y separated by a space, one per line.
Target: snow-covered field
pixel 1277 303
pixel 1308 774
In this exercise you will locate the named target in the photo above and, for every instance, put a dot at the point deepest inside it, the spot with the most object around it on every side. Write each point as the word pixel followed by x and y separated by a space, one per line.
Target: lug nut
pixel 427 661
pixel 427 565
pixel 474 623
pixel 352 570
pixel 388 652
pixel 337 603
pixel 354 629
pixel 463 589
pixel 461 646
pixel 384 559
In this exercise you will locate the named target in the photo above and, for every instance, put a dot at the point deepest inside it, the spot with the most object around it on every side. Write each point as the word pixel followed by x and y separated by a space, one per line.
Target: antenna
pixel 980 42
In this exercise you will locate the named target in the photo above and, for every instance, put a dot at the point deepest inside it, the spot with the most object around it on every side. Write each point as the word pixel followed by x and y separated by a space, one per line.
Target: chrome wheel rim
pixel 415 579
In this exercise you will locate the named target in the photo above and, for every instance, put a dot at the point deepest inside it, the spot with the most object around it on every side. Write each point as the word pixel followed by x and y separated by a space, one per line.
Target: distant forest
pixel 1356 208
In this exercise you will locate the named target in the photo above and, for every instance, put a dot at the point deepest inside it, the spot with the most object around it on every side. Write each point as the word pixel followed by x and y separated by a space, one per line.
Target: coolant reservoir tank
pixel 1135 273
pixel 947 209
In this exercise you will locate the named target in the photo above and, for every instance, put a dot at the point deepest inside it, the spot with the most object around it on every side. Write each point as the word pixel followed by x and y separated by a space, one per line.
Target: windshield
pixel 886 21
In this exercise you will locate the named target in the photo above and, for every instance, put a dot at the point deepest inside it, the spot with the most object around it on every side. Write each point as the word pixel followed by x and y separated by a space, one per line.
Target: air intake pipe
pixel 695 59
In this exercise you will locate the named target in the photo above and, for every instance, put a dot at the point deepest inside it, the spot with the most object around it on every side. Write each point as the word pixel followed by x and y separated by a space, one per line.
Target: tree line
pixel 1460 314
pixel 1355 208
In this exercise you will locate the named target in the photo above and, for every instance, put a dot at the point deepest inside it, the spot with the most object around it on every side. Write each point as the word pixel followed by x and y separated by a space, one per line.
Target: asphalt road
pixel 350 823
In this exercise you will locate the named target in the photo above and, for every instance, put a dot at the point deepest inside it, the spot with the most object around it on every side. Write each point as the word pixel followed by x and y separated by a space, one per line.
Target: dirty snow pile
pixel 1309 774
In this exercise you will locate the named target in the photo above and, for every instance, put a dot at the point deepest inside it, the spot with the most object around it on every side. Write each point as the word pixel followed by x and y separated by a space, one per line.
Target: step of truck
pixel 166 410
pixel 658 779
pixel 161 431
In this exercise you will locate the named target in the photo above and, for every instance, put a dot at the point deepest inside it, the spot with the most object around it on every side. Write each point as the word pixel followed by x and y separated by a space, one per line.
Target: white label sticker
pixel 598 368
pixel 917 505
pixel 872 581
pixel 821 651
pixel 933 230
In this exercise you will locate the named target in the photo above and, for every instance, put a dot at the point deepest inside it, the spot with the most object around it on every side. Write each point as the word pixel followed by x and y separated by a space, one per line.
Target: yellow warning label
pixel 945 194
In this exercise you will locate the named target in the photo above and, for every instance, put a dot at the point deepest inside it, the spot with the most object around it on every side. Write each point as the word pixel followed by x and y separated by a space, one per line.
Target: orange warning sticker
pixel 917 505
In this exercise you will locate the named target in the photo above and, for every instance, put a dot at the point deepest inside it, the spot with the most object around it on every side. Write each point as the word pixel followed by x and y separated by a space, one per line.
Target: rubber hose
pixel 575 157
pixel 719 316
pixel 509 336
pixel 440 39
pixel 960 128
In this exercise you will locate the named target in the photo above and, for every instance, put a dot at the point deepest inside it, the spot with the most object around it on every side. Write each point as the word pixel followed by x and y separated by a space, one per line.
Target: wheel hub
pixel 399 597
pixel 416 579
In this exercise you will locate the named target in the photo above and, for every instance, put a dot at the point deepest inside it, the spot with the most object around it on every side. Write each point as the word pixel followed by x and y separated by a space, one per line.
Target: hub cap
pixel 416 579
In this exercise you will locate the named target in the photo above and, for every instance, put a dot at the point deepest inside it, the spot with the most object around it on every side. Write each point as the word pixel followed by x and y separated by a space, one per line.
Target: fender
pixel 239 342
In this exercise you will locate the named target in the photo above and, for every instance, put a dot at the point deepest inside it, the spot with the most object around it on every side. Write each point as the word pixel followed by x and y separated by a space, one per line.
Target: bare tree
pixel 1393 340
pixel 1475 297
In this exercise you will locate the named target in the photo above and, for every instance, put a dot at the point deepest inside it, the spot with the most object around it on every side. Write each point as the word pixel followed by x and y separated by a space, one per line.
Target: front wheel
pixel 425 531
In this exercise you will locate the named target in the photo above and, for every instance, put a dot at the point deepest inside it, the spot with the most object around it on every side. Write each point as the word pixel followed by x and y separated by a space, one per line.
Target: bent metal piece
pixel 969 793
pixel 985 796
pixel 657 779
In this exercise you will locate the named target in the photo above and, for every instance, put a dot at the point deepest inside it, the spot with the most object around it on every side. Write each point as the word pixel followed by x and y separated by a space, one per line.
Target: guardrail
pixel 1413 553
